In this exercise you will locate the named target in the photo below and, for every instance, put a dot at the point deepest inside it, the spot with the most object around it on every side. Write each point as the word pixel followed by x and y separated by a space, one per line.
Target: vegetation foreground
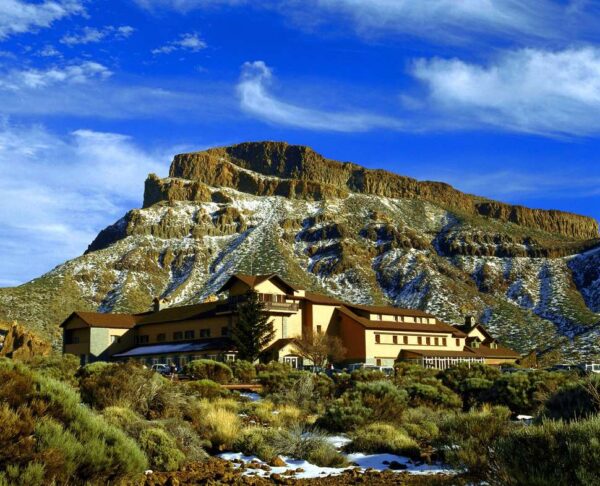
pixel 124 424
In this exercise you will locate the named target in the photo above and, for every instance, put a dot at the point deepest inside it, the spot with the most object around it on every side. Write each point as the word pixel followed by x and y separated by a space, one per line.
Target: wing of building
pixel 377 335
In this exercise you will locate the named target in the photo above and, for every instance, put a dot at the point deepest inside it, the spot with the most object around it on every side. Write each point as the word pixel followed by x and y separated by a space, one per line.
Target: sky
pixel 500 98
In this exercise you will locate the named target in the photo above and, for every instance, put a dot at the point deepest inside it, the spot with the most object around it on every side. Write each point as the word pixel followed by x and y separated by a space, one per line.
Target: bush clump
pixel 161 449
pixel 208 369
pixel 380 438
pixel 243 371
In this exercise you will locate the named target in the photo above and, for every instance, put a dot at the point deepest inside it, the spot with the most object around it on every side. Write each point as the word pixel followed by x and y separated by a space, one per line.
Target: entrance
pixel 293 361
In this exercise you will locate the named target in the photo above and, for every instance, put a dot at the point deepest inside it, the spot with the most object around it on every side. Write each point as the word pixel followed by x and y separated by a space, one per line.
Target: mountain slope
pixel 366 236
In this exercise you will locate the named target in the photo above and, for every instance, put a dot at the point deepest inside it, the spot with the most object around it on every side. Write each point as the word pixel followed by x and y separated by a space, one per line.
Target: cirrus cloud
pixel 257 101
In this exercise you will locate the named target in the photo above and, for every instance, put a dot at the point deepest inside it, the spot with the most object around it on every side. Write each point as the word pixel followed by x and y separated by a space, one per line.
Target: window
pixel 377 338
pixel 378 361
pixel 189 334
pixel 395 339
pixel 419 340
pixel 428 341
pixel 405 339
pixel 379 317
pixel 444 342
pixel 142 339
pixel 71 338
pixel 178 335
pixel 230 357
pixel 319 329
pixel 437 341
pixel 224 331
pixel 458 342
pixel 161 337
pixel 204 333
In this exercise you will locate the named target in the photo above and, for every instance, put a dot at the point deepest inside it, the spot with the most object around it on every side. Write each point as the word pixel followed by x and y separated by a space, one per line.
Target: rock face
pixel 21 344
pixel 365 236
pixel 298 171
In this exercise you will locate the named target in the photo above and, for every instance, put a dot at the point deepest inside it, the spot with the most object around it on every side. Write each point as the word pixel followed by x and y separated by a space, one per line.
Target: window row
pixel 420 340
pixel 412 320
pixel 180 335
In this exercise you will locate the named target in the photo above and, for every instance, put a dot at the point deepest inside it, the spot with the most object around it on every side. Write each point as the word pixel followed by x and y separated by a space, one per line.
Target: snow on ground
pixel 338 441
pixel 364 461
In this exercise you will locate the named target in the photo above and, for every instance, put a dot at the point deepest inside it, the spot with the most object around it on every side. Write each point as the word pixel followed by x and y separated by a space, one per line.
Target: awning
pixel 177 348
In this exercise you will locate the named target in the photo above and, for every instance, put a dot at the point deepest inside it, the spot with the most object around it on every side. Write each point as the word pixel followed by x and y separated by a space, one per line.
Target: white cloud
pixel 49 51
pixel 89 35
pixel 186 42
pixel 257 101
pixel 56 193
pixel 529 90
pixel 449 20
pixel 22 79
pixel 17 17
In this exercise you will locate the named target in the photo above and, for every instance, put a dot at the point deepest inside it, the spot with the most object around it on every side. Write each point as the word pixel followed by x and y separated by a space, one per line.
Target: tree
pixel 321 348
pixel 253 330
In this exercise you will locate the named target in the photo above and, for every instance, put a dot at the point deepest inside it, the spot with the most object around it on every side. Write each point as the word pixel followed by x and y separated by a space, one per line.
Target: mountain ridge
pixel 531 287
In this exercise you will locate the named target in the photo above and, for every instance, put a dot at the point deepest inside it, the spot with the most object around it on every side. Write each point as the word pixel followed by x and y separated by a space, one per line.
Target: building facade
pixel 377 335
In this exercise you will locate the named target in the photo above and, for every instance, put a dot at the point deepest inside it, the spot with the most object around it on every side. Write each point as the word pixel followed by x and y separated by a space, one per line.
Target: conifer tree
pixel 253 330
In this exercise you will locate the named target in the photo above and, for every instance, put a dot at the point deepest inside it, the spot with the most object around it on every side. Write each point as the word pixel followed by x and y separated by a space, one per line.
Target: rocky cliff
pixel 361 235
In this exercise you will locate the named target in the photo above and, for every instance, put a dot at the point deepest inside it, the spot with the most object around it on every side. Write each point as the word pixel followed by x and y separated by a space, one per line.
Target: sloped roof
pixel 172 348
pixel 279 344
pixel 466 353
pixel 389 310
pixel 438 327
pixel 499 352
pixel 178 313
pixel 100 319
pixel 321 299
pixel 254 280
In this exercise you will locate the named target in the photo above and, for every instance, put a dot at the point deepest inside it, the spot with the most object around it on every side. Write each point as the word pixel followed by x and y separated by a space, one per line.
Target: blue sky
pixel 500 98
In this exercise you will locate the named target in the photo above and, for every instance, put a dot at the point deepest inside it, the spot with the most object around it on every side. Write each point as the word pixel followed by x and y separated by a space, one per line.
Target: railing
pixel 271 302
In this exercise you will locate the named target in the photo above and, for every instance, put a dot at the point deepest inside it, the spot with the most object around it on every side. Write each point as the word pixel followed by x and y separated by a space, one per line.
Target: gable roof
pixel 321 299
pixel 438 327
pixel 253 280
pixel 467 329
pixel 389 310
pixel 178 313
pixel 500 352
pixel 100 319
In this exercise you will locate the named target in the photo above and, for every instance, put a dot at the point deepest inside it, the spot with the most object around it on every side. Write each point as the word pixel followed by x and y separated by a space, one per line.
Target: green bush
pixel 379 438
pixel 420 423
pixel 132 386
pixel 472 382
pixel 43 421
pixel 60 367
pixel 555 452
pixel 205 389
pixel 161 449
pixel 465 439
pixel 309 391
pixel 433 395
pixel 208 369
pixel 298 443
pixel 574 401
pixel 243 371
pixel 367 402
pixel 365 374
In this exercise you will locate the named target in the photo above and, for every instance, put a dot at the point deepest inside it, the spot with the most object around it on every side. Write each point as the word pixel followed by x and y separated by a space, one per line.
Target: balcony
pixel 272 303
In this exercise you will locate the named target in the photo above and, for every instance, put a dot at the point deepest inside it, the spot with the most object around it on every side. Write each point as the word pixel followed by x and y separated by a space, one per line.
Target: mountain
pixel 532 276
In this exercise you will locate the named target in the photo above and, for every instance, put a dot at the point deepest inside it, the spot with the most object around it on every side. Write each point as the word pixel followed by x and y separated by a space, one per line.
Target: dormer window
pixel 493 345
pixel 475 343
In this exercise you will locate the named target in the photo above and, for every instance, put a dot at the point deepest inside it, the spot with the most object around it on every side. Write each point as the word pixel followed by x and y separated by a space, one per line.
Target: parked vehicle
pixel 387 370
pixel 161 368
pixel 361 366
pixel 563 367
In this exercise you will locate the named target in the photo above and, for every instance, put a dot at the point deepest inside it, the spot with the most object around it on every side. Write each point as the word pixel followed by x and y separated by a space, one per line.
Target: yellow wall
pixel 323 316
pixel 215 324
pixel 268 287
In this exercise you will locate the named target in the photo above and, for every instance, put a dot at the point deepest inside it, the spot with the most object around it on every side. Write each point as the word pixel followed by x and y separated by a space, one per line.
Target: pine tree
pixel 253 330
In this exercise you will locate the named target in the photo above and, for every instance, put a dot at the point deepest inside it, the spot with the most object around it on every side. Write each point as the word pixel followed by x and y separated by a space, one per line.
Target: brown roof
pixel 389 310
pixel 322 299
pixel 466 328
pixel 438 327
pixel 100 319
pixel 179 313
pixel 466 353
pixel 499 352
pixel 254 280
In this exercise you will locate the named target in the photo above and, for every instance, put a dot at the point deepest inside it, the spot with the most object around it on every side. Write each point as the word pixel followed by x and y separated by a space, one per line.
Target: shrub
pixel 161 449
pixel 215 423
pixel 573 401
pixel 379 437
pixel 420 423
pixel 208 369
pixel 555 452
pixel 433 395
pixel 188 441
pixel 368 402
pixel 205 389
pixel 366 374
pixel 243 371
pixel 298 443
pixel 31 474
pixel 44 422
pixel 466 438
pixel 60 367
pixel 309 391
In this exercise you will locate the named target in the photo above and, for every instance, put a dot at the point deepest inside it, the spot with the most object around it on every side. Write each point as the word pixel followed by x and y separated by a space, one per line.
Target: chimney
pixel 157 303
pixel 470 321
